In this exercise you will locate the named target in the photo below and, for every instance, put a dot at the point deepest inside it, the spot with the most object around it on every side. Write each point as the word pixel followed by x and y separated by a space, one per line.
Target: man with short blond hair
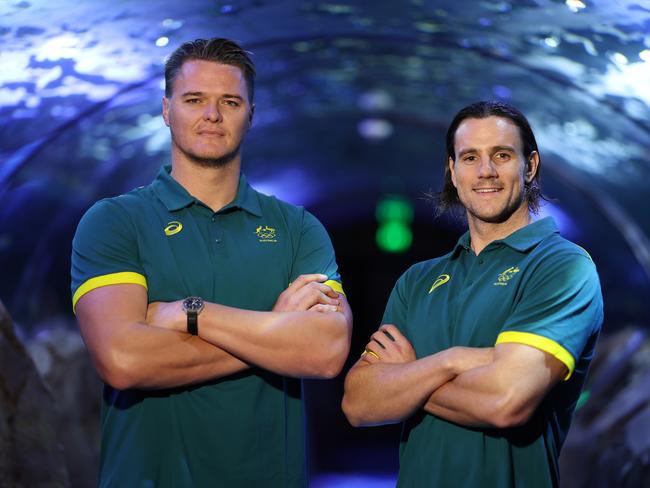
pixel 203 302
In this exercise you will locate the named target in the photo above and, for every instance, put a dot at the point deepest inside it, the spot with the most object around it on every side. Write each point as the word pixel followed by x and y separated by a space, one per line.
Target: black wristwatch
pixel 193 307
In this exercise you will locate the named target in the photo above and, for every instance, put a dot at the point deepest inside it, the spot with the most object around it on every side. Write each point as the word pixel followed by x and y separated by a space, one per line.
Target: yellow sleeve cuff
pixel 540 342
pixel 123 278
pixel 336 286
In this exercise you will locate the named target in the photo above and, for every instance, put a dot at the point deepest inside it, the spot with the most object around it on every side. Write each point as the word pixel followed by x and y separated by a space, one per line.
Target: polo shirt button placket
pixel 216 231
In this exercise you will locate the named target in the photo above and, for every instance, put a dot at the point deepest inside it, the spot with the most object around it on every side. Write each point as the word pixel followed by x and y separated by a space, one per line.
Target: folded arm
pixel 503 393
pixel 388 383
pixel 128 353
pixel 136 346
pixel 306 335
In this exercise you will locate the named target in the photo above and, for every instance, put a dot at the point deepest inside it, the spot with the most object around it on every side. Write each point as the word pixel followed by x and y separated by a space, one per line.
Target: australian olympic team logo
pixel 266 234
pixel 505 276
pixel 173 227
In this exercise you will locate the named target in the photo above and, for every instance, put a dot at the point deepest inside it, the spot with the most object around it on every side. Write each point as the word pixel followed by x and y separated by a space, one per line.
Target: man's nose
pixel 486 167
pixel 212 112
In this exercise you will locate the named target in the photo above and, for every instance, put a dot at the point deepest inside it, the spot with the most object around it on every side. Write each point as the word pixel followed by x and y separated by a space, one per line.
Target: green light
pixel 394 237
pixel 394 214
pixel 394 208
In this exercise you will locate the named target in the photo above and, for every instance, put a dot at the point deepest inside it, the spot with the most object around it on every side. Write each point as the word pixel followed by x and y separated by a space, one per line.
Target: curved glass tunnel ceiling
pixel 352 102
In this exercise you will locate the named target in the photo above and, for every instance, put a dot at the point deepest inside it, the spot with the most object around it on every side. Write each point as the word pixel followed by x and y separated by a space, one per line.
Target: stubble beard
pixel 207 162
pixel 501 217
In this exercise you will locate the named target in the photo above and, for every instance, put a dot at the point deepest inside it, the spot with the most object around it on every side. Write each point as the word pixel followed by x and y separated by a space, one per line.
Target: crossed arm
pixel 138 346
pixel 479 387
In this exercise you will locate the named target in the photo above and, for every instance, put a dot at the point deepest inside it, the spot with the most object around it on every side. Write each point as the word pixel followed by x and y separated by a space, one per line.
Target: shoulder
pixel 557 252
pixel 113 215
pixel 559 268
pixel 120 205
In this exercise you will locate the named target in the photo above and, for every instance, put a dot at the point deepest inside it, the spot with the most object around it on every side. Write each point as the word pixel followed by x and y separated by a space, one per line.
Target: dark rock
pixel 609 441
pixel 64 364
pixel 30 454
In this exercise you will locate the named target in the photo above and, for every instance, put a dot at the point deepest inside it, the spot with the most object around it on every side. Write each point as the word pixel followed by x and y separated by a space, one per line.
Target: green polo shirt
pixel 244 430
pixel 533 287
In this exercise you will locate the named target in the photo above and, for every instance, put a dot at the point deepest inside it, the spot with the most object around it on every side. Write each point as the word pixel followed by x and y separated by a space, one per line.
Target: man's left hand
pixel 308 292
pixel 388 345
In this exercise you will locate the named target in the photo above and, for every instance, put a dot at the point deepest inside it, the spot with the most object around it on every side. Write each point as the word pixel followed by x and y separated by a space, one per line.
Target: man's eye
pixel 231 103
pixel 503 156
pixel 192 100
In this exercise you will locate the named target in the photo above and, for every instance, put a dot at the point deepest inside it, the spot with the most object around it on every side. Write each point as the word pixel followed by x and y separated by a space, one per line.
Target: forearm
pixel 383 393
pixel 301 344
pixel 480 397
pixel 129 353
pixel 458 403
pixel 151 358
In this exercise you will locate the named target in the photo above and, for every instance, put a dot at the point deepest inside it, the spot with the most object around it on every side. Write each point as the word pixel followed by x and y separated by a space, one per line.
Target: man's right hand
pixel 308 292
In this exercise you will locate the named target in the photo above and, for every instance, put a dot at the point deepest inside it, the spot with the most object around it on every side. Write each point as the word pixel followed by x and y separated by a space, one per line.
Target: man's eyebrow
pixel 201 94
pixel 465 151
pixel 503 148
pixel 492 149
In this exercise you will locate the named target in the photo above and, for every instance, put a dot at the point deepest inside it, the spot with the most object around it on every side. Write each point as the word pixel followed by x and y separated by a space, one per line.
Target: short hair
pixel 217 50
pixel 448 197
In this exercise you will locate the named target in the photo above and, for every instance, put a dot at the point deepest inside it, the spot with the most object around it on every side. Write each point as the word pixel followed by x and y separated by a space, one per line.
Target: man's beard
pixel 204 162
pixel 505 213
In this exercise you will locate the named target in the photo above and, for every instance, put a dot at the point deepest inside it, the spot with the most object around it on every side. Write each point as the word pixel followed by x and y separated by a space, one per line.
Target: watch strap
pixel 192 322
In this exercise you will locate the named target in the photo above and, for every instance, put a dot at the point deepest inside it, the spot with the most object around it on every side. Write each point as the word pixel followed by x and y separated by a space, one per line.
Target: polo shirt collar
pixel 521 240
pixel 175 197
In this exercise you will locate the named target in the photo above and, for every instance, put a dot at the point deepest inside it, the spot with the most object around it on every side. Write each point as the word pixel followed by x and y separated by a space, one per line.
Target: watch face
pixel 193 304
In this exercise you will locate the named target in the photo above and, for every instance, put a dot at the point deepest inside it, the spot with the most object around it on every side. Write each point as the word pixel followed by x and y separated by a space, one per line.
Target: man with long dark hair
pixel 483 352
pixel 203 302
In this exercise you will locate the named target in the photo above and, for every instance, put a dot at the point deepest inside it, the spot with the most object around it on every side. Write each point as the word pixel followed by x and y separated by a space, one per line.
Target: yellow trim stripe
pixel 540 342
pixel 122 278
pixel 336 286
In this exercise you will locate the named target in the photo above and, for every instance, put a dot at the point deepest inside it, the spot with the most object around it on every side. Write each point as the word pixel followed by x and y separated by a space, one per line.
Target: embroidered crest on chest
pixel 505 276
pixel 266 234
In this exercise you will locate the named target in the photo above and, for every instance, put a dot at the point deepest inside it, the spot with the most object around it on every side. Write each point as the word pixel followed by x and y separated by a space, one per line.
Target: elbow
pixel 352 404
pixel 510 413
pixel 114 370
pixel 515 419
pixel 351 412
pixel 329 364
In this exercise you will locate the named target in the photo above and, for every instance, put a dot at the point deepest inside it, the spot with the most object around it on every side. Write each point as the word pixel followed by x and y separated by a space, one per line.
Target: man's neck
pixel 483 233
pixel 215 187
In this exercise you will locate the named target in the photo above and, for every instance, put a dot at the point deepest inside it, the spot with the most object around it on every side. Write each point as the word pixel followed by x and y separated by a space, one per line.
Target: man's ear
pixel 165 110
pixel 532 166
